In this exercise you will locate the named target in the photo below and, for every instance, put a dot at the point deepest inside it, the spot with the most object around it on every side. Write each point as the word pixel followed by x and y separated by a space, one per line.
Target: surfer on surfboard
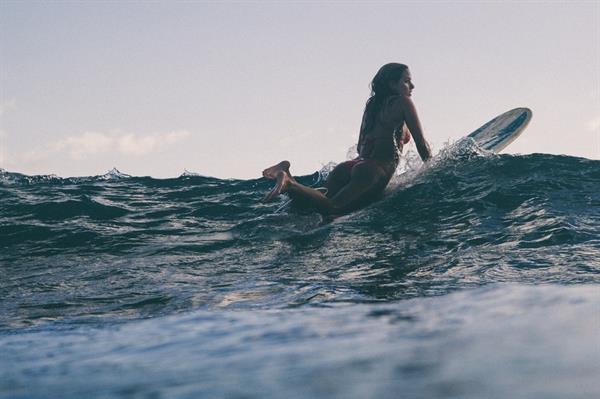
pixel 389 120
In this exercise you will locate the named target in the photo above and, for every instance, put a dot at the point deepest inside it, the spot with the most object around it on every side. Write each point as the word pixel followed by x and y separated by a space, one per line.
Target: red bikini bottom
pixel 387 167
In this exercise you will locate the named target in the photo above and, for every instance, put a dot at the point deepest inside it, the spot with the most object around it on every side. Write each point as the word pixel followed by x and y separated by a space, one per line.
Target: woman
pixel 383 132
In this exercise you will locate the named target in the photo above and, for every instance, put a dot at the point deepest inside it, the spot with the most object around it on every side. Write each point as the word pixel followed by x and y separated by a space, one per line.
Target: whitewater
pixel 476 277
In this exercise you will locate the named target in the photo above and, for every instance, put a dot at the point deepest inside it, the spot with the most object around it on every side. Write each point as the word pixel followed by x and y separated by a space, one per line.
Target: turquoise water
pixel 475 277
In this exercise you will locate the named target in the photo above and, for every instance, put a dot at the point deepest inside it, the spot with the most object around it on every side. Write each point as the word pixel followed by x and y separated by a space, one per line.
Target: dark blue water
pixel 476 277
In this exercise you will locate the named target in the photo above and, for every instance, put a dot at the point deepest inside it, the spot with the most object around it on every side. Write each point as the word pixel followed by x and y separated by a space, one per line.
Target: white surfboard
pixel 498 133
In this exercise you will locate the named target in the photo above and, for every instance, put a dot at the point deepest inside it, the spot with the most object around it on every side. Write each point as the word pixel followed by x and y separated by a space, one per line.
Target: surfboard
pixel 498 133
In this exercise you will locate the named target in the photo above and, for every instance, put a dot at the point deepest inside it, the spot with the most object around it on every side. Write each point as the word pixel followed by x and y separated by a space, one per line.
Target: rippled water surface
pixel 476 277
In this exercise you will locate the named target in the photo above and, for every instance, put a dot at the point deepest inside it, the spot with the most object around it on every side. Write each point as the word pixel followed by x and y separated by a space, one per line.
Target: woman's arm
pixel 416 130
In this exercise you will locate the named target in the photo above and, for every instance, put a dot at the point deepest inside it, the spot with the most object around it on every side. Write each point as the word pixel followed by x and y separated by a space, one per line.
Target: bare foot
pixel 271 173
pixel 283 180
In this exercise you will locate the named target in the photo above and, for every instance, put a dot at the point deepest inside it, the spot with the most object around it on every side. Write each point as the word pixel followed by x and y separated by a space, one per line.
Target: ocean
pixel 477 276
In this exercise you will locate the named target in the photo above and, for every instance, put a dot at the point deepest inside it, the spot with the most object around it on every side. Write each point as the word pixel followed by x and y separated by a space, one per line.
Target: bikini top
pixel 390 118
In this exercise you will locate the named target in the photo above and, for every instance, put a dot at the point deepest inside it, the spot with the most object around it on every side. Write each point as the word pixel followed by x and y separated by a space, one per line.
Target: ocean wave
pixel 468 219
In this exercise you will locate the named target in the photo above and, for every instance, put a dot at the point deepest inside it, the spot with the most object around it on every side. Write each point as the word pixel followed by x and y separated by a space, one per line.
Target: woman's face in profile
pixel 404 85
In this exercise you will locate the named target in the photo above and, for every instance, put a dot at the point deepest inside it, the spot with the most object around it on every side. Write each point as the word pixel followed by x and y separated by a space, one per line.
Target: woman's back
pixel 378 141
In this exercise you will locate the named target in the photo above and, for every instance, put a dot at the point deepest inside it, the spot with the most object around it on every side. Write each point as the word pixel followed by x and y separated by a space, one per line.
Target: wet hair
pixel 380 91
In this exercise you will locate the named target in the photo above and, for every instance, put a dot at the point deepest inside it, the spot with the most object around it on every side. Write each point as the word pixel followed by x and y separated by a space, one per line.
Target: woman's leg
pixel 336 180
pixel 286 184
pixel 338 177
pixel 364 177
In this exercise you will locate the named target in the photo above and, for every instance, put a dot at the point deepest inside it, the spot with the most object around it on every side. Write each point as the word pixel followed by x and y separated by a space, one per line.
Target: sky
pixel 226 89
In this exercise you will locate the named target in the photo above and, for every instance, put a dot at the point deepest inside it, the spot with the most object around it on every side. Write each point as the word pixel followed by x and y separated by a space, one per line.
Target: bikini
pixel 387 167
pixel 351 163
pixel 384 166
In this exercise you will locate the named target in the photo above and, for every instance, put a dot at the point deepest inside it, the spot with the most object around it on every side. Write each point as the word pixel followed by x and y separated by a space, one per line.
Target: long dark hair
pixel 380 91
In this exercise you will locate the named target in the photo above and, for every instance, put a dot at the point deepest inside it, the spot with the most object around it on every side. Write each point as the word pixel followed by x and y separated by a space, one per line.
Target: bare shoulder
pixel 406 101
pixel 402 102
